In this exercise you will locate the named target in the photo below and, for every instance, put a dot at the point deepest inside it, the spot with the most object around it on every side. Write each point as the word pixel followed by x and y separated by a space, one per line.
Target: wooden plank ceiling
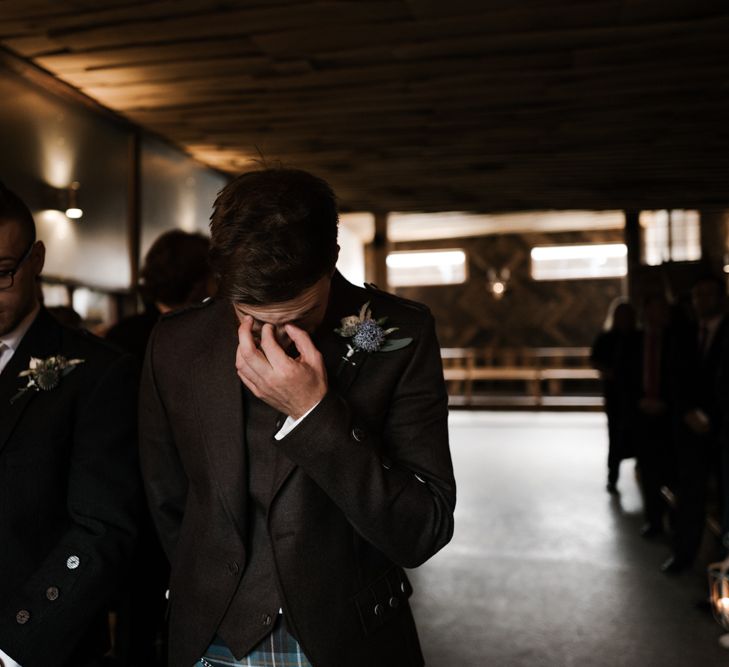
pixel 417 105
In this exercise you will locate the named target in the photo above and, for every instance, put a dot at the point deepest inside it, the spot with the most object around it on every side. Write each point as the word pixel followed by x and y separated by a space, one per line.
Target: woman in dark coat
pixel 613 354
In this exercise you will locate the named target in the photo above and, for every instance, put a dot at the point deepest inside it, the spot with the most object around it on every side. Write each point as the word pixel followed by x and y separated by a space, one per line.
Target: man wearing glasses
pixel 68 473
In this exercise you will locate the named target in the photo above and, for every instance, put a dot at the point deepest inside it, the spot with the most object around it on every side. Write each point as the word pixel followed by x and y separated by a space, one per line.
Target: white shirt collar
pixel 13 339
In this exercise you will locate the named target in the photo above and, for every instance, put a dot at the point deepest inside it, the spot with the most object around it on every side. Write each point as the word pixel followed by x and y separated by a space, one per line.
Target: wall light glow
pixel 53 224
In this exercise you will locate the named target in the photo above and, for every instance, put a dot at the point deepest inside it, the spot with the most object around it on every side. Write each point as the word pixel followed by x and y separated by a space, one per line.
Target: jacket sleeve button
pixel 73 562
pixel 52 593
pixel 379 610
pixel 358 434
pixel 394 602
pixel 22 617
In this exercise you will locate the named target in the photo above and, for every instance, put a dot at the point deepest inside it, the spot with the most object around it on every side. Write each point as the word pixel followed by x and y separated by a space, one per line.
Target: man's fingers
pixel 273 351
pixel 245 335
pixel 303 343
pixel 247 347
pixel 244 368
pixel 246 340
pixel 250 384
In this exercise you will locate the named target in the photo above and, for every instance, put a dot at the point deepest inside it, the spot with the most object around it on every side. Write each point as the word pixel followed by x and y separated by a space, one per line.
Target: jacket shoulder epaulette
pixel 371 287
pixel 186 309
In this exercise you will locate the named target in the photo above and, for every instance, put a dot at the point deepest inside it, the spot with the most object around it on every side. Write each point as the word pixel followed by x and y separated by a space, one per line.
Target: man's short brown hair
pixel 14 209
pixel 274 233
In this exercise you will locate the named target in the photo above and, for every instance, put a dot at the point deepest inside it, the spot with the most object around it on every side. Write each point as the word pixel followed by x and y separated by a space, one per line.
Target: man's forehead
pixel 273 311
pixel 10 238
pixel 312 298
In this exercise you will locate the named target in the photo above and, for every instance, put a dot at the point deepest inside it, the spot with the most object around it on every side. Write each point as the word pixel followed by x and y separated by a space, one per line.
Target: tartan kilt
pixel 278 649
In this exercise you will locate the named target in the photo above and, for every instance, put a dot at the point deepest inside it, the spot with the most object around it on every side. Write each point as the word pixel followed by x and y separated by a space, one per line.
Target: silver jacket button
pixel 73 562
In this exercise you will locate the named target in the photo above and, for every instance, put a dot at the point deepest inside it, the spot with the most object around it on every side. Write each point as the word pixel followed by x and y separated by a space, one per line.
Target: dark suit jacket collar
pixel 345 299
pixel 219 409
pixel 43 339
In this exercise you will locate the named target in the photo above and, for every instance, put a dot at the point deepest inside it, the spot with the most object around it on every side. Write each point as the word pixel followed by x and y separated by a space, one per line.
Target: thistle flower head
pixel 369 336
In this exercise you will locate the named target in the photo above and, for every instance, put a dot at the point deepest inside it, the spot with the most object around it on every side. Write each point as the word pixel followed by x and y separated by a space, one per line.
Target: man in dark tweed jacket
pixel 294 446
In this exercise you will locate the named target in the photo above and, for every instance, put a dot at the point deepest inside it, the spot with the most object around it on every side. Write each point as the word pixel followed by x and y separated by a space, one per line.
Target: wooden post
pixel 380 248
pixel 632 241
pixel 714 238
pixel 134 217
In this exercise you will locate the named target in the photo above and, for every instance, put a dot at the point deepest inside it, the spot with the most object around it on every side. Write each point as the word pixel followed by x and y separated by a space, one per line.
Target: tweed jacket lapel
pixel 219 406
pixel 41 340
pixel 341 373
pixel 344 300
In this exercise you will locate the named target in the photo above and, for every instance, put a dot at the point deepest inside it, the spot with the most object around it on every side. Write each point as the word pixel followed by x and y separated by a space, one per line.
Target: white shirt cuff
pixel 7 661
pixel 290 424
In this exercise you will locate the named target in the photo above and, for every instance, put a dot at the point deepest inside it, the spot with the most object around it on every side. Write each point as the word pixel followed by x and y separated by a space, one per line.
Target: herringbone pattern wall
pixel 531 313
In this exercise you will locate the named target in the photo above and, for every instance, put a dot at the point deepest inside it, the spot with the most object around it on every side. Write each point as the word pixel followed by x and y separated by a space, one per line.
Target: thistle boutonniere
pixel 366 334
pixel 45 374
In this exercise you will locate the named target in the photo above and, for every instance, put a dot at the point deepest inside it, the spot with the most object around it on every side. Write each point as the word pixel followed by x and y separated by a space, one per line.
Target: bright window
pixel 93 306
pixel 426 267
pixel 670 236
pixel 573 262
pixel 55 295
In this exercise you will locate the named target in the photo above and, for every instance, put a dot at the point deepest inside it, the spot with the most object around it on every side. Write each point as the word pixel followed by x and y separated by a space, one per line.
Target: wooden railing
pixel 473 376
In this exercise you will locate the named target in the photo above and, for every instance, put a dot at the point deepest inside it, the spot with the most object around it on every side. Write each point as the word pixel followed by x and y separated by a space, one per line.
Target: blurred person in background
pixel 699 416
pixel 615 355
pixel 176 273
pixel 655 451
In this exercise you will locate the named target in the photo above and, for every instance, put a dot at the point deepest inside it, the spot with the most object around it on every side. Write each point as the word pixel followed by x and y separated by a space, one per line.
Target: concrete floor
pixel 547 569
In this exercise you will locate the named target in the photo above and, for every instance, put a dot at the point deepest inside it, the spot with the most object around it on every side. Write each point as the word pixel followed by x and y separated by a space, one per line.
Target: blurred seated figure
pixel 614 354
pixel 699 416
pixel 176 273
